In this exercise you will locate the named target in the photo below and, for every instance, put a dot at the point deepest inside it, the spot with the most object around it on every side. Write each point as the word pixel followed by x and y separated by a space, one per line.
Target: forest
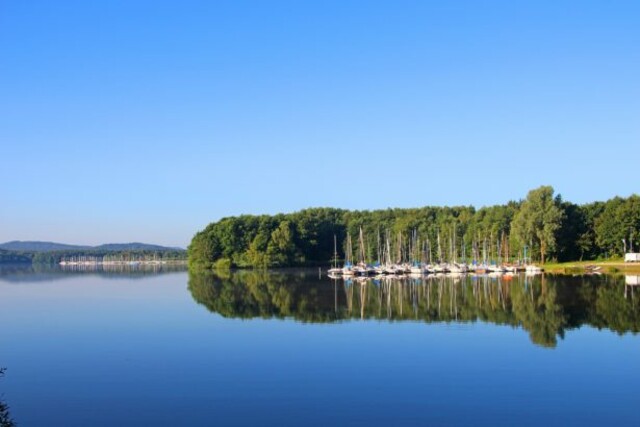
pixel 541 227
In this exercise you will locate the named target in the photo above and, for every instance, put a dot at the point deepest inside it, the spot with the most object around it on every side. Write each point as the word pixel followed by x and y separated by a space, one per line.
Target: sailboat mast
pixel 362 248
pixel 455 249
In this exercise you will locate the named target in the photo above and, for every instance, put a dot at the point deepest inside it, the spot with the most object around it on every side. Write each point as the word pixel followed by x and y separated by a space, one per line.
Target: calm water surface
pixel 95 348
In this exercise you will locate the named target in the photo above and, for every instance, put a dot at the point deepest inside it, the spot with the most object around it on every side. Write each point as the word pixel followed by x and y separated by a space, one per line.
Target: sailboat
pixel 531 268
pixel 362 268
pixel 335 271
pixel 416 268
pixel 348 270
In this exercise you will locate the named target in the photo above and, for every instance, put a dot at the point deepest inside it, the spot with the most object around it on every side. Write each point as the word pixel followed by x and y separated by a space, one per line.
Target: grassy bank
pixel 580 267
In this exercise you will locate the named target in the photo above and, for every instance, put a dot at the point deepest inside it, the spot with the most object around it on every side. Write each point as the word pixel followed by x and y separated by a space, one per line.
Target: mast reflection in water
pixel 544 305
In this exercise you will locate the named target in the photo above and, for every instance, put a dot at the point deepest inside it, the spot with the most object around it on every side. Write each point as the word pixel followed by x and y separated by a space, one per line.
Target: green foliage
pixel 223 264
pixel 281 248
pixel 203 250
pixel 546 225
pixel 10 257
pixel 586 238
pixel 620 219
pixel 572 238
pixel 304 237
pixel 539 220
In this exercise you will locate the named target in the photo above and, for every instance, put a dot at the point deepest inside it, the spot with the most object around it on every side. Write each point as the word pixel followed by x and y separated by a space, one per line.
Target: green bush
pixel 223 264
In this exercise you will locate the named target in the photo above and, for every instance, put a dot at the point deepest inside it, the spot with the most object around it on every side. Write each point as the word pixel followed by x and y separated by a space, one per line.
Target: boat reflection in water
pixel 544 305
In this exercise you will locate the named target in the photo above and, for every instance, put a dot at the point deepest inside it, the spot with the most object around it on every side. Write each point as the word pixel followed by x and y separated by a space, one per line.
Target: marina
pixel 115 260
pixel 415 258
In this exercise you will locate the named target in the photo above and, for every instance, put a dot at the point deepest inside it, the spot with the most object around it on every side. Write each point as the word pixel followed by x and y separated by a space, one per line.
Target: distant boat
pixel 531 268
pixel 495 268
pixel 458 268
pixel 347 270
pixel 441 268
pixel 416 269
pixel 592 268
pixel 379 269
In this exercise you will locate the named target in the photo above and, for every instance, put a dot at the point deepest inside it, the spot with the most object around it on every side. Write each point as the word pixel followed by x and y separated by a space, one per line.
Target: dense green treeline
pixel 546 306
pixel 54 257
pixel 543 224
pixel 9 257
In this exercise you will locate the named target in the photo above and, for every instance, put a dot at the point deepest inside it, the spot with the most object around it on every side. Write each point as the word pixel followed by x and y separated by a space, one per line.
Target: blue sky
pixel 146 120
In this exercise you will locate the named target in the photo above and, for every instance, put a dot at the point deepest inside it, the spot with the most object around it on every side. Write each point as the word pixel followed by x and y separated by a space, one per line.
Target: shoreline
pixel 120 263
pixel 583 267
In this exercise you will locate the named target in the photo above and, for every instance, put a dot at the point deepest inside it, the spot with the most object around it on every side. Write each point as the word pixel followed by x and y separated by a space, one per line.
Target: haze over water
pixel 290 348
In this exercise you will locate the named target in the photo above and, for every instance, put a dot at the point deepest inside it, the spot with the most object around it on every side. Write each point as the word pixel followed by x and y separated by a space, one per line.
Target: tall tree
pixel 282 249
pixel 539 220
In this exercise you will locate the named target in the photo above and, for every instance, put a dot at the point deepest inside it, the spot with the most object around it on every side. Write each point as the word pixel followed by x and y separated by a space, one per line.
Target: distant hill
pixel 27 246
pixel 32 246
pixel 135 246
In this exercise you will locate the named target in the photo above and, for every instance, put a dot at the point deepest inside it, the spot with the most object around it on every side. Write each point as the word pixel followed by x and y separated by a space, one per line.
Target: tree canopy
pixel 538 220
pixel 542 224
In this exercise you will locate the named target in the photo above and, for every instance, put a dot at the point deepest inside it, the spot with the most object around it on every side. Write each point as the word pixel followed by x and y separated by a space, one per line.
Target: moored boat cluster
pixel 362 269
pixel 421 261
pixel 129 259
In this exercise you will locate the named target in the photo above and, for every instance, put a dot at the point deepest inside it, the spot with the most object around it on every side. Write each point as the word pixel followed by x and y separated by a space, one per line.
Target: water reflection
pixel 5 416
pixel 19 273
pixel 630 283
pixel 544 305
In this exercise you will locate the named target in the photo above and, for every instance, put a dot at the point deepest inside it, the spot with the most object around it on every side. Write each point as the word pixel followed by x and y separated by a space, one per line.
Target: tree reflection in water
pixel 544 305
pixel 5 417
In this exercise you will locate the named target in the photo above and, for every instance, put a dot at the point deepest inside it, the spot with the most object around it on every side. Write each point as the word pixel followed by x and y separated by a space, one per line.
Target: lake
pixel 163 347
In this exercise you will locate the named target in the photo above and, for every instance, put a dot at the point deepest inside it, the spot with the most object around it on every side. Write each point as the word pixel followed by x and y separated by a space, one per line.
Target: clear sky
pixel 145 120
